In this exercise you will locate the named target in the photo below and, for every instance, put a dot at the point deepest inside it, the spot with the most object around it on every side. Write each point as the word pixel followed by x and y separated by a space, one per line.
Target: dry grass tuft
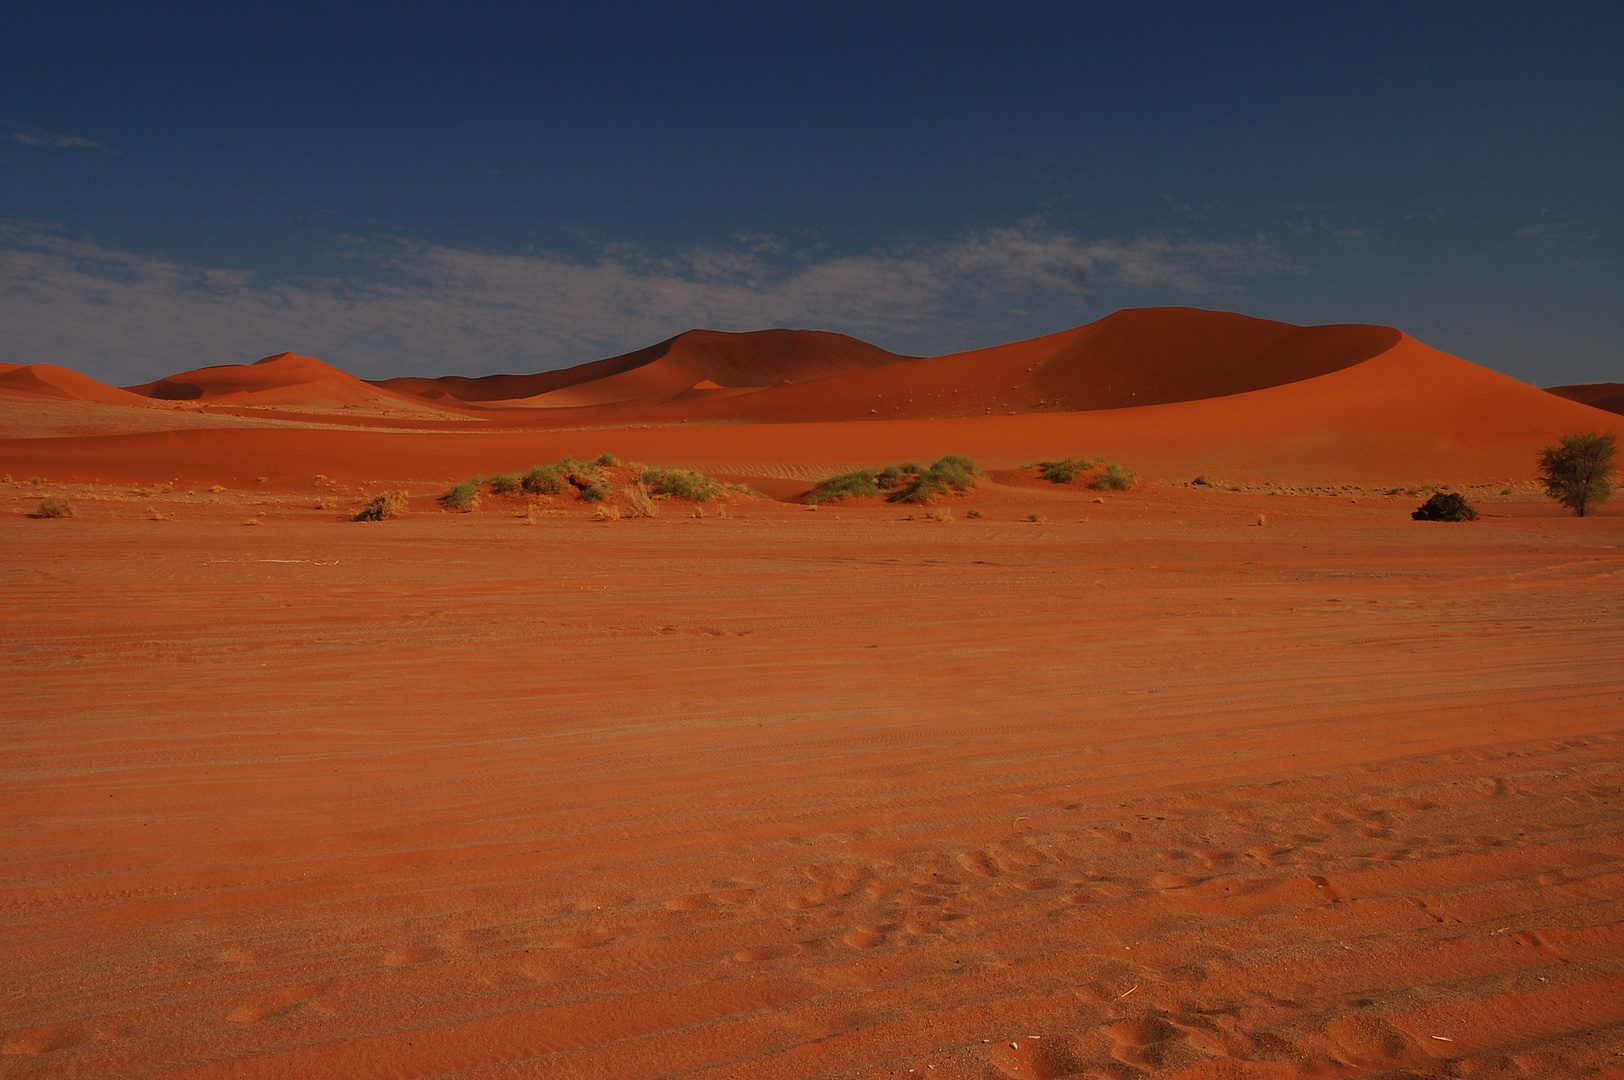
pixel 606 513
pixel 383 507
pixel 941 514
pixel 639 503
pixel 54 506
pixel 1036 517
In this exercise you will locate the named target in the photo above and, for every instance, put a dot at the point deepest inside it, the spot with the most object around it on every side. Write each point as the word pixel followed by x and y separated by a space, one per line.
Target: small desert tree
pixel 1577 472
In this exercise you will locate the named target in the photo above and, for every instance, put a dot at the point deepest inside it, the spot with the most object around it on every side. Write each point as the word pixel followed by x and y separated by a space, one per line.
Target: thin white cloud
pixel 412 308
pixel 50 140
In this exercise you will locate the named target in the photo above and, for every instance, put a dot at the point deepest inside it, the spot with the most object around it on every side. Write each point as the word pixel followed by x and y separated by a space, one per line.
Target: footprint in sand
pixel 275 1003
pixel 978 863
pixel 1174 881
pixel 41 1040
pixel 755 954
pixel 583 939
pixel 1032 1058
pixel 411 954
pixel 1138 1042
pixel 865 937
pixel 696 902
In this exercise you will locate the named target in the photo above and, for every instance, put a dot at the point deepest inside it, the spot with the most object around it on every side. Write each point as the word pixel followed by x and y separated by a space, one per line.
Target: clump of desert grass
pixel 941 513
pixel 384 506
pixel 908 482
pixel 54 506
pixel 463 497
pixel 639 503
pixel 688 484
pixel 605 513
pixel 1107 474
pixel 543 480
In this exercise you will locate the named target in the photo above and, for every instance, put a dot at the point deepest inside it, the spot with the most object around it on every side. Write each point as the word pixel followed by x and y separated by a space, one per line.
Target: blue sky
pixel 413 189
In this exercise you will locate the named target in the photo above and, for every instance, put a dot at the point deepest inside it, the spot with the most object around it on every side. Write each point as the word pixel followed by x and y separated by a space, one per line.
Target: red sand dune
pixel 48 380
pixel 1407 416
pixel 1132 358
pixel 1609 395
pixel 284 379
pixel 668 370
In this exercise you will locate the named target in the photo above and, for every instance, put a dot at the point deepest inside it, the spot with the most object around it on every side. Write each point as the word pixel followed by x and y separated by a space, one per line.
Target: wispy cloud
pixel 49 139
pixel 403 307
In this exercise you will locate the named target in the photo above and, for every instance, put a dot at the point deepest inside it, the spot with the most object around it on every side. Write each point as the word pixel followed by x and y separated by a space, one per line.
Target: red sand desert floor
pixel 1141 789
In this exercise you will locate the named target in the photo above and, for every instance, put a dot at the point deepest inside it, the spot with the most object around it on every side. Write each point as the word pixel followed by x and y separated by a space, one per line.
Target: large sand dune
pixel 286 379
pixel 1410 415
pixel 698 359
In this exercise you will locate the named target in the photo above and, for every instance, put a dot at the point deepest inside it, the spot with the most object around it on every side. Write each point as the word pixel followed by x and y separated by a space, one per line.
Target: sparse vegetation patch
pixel 687 484
pixel 1115 478
pixel 1445 506
pixel 54 506
pixel 543 480
pixel 383 507
pixel 1108 475
pixel 463 497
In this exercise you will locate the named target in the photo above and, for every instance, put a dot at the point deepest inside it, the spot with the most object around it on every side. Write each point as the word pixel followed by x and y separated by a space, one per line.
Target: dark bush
pixel 1445 506
pixel 1577 472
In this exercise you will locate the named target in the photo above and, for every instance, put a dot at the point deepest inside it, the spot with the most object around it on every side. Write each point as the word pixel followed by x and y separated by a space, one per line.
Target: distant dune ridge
pixel 284 379
pixel 1171 391
pixel 669 370
pixel 1607 395
pixel 48 380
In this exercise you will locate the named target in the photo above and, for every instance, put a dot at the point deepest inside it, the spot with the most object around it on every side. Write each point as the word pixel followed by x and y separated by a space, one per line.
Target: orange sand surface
pixel 1240 778
pixel 1142 789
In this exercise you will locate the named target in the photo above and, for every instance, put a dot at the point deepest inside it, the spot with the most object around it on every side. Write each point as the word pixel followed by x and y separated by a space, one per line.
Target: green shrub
pixel 958 470
pixel 55 506
pixel 972 513
pixel 1445 506
pixel 506 483
pixel 892 477
pixel 1064 470
pixel 845 486
pixel 908 482
pixel 953 473
pixel 597 491
pixel 1578 472
pixel 1202 481
pixel 1114 478
pixel 383 507
pixel 543 480
pixel 682 484
pixel 463 497
pixel 606 460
